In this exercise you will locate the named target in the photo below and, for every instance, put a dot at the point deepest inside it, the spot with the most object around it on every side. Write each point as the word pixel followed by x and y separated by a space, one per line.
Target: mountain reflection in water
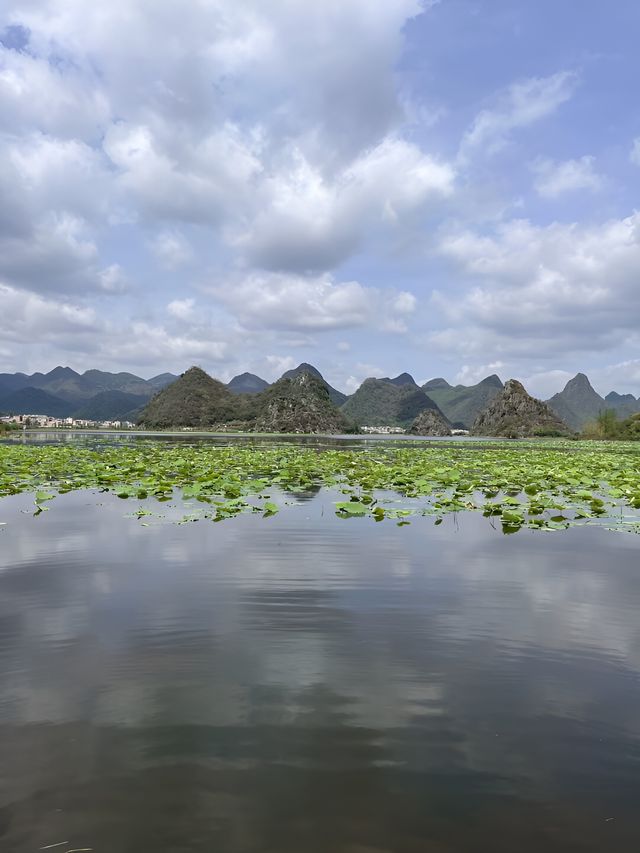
pixel 305 683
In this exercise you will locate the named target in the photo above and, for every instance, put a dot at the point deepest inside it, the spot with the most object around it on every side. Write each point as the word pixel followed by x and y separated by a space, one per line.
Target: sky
pixel 447 188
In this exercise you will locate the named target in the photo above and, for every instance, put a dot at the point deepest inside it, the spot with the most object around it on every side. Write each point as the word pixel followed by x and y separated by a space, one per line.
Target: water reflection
pixel 306 683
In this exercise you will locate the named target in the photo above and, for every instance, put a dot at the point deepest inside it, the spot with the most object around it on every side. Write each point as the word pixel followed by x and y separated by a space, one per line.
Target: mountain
pixel 111 406
pixel 624 405
pixel 76 387
pixel 513 413
pixel 247 383
pixel 337 397
pixel 35 401
pixel 402 379
pixel 195 400
pixel 301 403
pixel 430 422
pixel 577 403
pixel 378 402
pixel 161 381
pixel 439 382
pixel 461 404
pixel 14 381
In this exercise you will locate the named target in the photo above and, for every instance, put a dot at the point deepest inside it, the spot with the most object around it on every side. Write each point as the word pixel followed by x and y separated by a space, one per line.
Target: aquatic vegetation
pixel 542 485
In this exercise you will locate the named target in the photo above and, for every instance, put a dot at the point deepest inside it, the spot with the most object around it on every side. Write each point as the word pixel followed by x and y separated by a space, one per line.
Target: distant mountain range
pixel 390 401
pixel 578 403
pixel 93 395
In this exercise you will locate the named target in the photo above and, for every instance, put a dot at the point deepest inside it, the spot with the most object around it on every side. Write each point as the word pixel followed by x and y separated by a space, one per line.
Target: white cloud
pixel 634 156
pixel 241 122
pixel 554 179
pixel 312 303
pixel 279 364
pixel 544 384
pixel 182 309
pixel 112 279
pixel 146 343
pixel 404 303
pixel 195 180
pixel 29 317
pixel 306 221
pixel 172 250
pixel 56 255
pixel 471 374
pixel 58 98
pixel 559 287
pixel 59 190
pixel 362 371
pixel 524 103
pixel 280 301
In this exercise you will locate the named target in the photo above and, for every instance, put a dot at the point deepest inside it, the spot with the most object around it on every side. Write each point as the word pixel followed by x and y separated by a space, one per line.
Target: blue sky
pixel 448 188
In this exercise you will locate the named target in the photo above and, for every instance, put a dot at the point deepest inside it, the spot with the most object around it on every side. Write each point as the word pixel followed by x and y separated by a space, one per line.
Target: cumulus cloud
pixel 279 301
pixel 60 98
pixel 556 287
pixel 310 303
pixel 172 249
pixel 306 221
pixel 524 103
pixel 279 127
pixel 279 364
pixel 182 309
pixel 147 344
pixel 30 317
pixel 58 190
pixel 178 179
pixel 553 178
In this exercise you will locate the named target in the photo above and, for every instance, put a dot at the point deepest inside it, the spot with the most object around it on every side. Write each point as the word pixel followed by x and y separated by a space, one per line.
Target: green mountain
pixel 301 403
pixel 624 405
pixel 461 403
pixel 35 401
pixel 378 402
pixel 577 403
pixel 247 383
pixel 196 400
pixel 111 406
pixel 161 381
pixel 439 382
pixel 337 397
pixel 402 379
pixel 10 382
pixel 513 413
pixel 67 384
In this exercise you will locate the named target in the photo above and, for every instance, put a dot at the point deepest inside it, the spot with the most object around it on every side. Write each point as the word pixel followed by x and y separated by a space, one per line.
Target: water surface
pixel 306 683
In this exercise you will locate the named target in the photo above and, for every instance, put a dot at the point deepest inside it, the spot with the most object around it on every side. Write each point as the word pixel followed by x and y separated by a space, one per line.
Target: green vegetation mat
pixel 539 484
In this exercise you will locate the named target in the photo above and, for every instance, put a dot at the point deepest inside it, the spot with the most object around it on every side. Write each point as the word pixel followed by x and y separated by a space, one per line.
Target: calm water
pixel 303 683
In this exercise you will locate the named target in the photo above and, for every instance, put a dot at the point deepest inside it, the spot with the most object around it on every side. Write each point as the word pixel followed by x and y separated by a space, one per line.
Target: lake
pixel 305 682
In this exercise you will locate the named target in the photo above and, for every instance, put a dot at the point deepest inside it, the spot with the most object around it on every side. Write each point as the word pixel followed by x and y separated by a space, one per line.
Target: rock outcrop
pixel 515 414
pixel 430 422
pixel 337 397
